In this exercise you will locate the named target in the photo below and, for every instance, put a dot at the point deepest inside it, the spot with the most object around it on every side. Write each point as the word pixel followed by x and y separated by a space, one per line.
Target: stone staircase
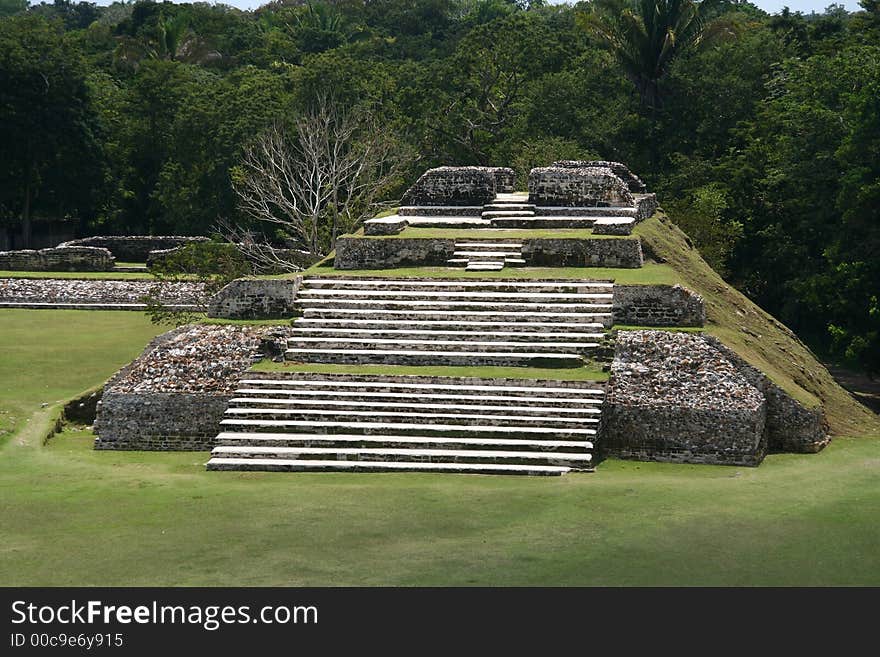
pixel 529 323
pixel 483 255
pixel 508 208
pixel 326 422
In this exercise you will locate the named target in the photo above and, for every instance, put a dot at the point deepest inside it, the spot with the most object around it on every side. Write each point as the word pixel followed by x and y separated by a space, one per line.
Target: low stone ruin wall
pixel 96 294
pixel 658 305
pixel 391 252
pixel 584 187
pixel 675 397
pixel 173 396
pixel 505 179
pixel 633 182
pixel 791 426
pixel 646 205
pixel 255 298
pixel 583 252
pixel 134 248
pixel 452 186
pixel 58 259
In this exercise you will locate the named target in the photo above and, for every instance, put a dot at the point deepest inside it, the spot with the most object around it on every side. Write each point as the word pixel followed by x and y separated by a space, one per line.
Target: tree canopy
pixel 764 145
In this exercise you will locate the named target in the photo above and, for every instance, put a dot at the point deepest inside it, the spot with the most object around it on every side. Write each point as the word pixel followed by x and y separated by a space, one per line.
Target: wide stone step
pixel 488 253
pixel 511 206
pixel 484 346
pixel 513 336
pixel 605 318
pixel 286 465
pixel 484 266
pixel 343 382
pixel 585 211
pixel 372 427
pixel 498 246
pixel 269 439
pixel 433 358
pixel 306 323
pixel 232 438
pixel 506 214
pixel 372 305
pixel 457 408
pixel 536 222
pixel 430 295
pixel 419 455
pixel 424 417
pixel 454 285
pixel 409 397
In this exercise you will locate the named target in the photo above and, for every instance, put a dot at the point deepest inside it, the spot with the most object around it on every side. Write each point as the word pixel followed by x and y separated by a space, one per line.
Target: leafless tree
pixel 326 177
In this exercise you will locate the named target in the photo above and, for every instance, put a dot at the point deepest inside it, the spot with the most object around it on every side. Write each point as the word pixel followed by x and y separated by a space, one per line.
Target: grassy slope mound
pixel 755 334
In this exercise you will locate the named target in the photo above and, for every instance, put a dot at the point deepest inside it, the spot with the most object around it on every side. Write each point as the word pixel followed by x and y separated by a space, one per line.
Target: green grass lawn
pixel 651 274
pixel 73 516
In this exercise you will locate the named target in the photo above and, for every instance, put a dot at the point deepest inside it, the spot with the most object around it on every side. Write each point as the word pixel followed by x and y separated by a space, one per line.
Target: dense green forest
pixel 760 133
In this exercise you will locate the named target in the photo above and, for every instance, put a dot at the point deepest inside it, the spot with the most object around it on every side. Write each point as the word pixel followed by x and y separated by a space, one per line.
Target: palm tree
pixel 174 40
pixel 647 35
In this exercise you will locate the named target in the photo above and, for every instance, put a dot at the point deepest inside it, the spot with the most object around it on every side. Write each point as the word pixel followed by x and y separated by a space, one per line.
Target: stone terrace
pixel 314 422
pixel 94 294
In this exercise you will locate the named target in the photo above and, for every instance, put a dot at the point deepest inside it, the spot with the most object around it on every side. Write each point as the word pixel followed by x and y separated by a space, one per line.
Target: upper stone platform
pixel 594 194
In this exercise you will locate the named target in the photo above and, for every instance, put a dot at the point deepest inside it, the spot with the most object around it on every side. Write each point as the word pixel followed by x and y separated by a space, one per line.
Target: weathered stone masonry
pixel 71 258
pixel 453 186
pixel 573 187
pixel 134 248
pixel 255 298
pixel 658 305
pixel 384 253
pixel 173 396
pixel 675 397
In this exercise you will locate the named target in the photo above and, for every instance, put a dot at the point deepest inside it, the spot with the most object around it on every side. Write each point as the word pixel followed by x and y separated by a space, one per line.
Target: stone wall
pixel 633 182
pixel 159 421
pixel 452 186
pixel 658 305
pixel 585 187
pixel 255 298
pixel 791 426
pixel 646 205
pixel 173 396
pixel 505 179
pixel 390 252
pixel 58 259
pixel 675 397
pixel 134 248
pixel 599 252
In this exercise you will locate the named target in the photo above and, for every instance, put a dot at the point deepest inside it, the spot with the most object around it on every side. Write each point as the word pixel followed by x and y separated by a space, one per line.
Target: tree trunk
pixel 26 208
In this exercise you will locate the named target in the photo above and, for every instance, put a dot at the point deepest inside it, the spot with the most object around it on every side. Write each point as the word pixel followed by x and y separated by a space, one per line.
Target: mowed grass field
pixel 73 516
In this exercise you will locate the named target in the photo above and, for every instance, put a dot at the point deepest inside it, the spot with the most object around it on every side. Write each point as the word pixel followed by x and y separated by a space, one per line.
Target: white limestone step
pixel 411 397
pixel 395 428
pixel 401 304
pixel 485 254
pixel 484 266
pixel 431 334
pixel 501 246
pixel 424 418
pixel 490 316
pixel 470 344
pixel 425 442
pixel 412 453
pixel 373 294
pixel 308 323
pixel 343 383
pixel 434 358
pixel 285 465
pixel 238 401
pixel 493 214
pixel 420 283
pixel 513 206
